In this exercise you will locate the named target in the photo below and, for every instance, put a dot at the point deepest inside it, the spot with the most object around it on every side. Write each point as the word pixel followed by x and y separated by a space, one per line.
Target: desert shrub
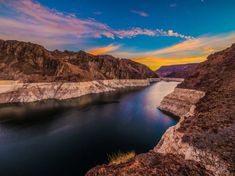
pixel 120 157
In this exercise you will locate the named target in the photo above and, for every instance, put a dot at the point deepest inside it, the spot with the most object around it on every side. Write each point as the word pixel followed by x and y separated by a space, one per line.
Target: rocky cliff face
pixel 33 63
pixel 31 92
pixel 176 71
pixel 181 101
pixel 205 135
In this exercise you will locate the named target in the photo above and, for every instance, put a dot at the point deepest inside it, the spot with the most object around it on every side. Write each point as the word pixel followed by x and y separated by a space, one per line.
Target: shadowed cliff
pixel 30 62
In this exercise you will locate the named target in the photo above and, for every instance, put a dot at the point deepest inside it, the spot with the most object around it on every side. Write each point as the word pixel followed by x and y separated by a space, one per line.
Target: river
pixel 66 138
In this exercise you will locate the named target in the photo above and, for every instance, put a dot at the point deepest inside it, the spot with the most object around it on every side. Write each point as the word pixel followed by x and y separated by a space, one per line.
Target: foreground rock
pixel 205 135
pixel 30 62
pixel 152 164
pixel 14 92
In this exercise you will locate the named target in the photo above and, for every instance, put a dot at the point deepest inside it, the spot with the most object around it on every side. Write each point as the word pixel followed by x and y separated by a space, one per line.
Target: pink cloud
pixel 29 20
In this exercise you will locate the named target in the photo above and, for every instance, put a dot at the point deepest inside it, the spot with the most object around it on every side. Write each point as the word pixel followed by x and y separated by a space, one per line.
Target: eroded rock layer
pixel 181 101
pixel 205 135
pixel 30 92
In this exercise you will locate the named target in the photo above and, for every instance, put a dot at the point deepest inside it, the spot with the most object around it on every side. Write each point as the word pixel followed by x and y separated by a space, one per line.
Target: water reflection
pixel 69 137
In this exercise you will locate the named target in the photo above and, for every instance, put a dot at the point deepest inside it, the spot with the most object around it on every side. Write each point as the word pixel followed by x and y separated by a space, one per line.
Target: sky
pixel 152 32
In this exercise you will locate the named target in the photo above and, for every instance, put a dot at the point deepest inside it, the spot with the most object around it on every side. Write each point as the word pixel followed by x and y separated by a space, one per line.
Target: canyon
pixel 202 143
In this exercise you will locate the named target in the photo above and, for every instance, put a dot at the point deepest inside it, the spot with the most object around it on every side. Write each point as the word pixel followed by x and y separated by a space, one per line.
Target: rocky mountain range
pixel 30 62
pixel 176 71
pixel 203 141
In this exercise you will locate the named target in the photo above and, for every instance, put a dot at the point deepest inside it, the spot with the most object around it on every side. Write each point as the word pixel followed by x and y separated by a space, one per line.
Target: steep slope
pixel 205 135
pixel 176 71
pixel 33 63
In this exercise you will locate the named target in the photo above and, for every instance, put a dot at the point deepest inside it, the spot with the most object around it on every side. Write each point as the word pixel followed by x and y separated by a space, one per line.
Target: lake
pixel 54 138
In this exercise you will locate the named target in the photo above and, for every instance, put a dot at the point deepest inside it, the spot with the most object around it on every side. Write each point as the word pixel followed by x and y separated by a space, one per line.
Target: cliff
pixel 176 71
pixel 205 134
pixel 30 62
pixel 15 92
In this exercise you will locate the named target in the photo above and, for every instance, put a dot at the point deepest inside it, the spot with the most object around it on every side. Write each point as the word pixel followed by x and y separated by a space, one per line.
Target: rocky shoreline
pixel 182 102
pixel 203 142
pixel 16 92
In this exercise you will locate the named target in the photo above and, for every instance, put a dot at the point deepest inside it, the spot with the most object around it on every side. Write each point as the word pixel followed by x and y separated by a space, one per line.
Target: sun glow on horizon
pixel 155 63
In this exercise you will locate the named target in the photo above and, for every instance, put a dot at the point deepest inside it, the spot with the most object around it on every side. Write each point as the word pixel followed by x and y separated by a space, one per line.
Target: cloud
pixel 158 32
pixel 29 20
pixel 140 13
pixel 104 50
pixel 171 33
pixel 204 45
pixel 134 32
pixel 189 51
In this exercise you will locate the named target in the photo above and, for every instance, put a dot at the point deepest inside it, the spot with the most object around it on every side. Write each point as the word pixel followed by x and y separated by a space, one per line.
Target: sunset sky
pixel 152 32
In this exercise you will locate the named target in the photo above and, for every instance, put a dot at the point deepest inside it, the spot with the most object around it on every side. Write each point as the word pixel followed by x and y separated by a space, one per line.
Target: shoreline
pixel 182 104
pixel 31 92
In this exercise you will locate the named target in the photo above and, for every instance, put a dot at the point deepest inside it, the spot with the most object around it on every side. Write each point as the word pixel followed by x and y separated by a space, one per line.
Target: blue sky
pixel 152 32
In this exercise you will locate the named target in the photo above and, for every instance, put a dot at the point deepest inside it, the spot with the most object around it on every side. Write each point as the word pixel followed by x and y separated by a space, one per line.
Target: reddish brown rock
pixel 33 63
pixel 203 142
pixel 176 71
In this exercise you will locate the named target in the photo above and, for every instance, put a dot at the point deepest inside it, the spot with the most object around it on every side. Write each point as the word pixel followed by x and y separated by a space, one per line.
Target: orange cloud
pixel 104 50
pixel 190 51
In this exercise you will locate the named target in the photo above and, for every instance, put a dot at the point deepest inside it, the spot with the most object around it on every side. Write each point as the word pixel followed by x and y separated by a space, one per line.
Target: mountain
pixel 176 71
pixel 203 141
pixel 30 62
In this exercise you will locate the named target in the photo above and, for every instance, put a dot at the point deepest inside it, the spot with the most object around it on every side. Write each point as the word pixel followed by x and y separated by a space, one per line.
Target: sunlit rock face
pixel 181 101
pixel 205 134
pixel 30 92
pixel 30 62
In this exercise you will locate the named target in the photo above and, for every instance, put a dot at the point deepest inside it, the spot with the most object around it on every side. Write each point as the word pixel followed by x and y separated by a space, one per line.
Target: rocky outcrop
pixel 30 62
pixel 152 164
pixel 176 71
pixel 31 92
pixel 181 101
pixel 206 129
pixel 205 134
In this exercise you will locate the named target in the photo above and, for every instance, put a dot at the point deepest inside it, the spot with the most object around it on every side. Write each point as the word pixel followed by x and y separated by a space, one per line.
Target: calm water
pixel 54 138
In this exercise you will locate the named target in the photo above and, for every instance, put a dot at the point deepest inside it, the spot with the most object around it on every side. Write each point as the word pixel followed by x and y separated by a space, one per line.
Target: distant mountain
pixel 33 63
pixel 176 71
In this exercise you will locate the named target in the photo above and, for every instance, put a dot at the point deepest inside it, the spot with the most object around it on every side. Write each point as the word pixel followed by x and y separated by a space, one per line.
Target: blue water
pixel 68 138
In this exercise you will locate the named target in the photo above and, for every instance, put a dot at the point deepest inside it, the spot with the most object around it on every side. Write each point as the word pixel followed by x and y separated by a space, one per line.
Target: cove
pixel 70 137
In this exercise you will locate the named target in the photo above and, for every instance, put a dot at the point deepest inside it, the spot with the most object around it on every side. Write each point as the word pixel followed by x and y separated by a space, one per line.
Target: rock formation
pixel 203 142
pixel 31 92
pixel 30 62
pixel 176 71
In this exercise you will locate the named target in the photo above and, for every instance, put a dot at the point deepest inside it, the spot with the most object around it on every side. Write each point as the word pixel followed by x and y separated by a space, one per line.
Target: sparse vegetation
pixel 120 157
